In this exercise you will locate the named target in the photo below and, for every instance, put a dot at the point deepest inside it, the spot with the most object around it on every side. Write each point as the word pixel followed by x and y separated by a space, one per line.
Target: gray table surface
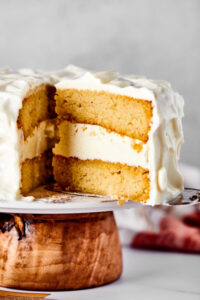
pixel 148 275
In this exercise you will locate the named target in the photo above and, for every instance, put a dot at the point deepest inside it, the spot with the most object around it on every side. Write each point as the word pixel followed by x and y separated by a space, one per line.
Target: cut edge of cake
pixel 165 128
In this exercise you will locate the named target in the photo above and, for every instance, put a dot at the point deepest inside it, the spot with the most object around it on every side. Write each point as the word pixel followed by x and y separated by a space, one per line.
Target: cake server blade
pixel 189 196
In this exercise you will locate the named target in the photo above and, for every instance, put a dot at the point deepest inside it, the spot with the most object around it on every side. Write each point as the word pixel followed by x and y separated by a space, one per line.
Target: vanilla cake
pixel 119 136
pixel 26 131
pixel 110 135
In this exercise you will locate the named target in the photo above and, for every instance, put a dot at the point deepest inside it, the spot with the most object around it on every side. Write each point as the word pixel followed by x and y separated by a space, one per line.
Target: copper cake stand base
pixel 59 252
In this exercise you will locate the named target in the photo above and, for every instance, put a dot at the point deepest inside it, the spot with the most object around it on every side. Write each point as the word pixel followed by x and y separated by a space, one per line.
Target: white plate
pixel 56 201
pixel 42 207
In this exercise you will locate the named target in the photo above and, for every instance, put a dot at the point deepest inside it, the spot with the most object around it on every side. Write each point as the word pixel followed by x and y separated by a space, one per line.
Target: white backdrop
pixel 156 38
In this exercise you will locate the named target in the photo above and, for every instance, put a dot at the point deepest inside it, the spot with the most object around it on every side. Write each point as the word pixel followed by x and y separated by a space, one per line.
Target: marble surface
pixel 148 275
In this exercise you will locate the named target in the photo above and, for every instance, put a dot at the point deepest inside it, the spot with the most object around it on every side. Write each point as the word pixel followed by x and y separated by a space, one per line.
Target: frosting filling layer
pixel 86 141
pixel 41 139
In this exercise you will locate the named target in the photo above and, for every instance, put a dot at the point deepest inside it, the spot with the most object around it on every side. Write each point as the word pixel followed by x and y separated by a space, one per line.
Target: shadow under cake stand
pixel 63 241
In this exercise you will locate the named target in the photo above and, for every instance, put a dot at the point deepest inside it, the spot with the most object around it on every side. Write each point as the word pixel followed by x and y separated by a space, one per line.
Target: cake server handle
pixel 189 196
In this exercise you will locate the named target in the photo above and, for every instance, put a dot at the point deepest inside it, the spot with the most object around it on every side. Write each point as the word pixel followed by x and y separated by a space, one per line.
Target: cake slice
pixel 119 136
pixel 26 131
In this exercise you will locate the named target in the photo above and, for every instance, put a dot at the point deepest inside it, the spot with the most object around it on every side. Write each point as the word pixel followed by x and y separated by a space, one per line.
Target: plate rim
pixel 42 207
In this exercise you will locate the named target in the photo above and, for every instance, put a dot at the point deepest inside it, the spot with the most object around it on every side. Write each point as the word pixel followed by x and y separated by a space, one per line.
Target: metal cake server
pixel 188 197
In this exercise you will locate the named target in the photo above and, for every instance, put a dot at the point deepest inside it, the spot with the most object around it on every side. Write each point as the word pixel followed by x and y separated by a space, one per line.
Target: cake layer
pixel 120 113
pixel 38 105
pixel 102 178
pixel 35 172
pixel 95 142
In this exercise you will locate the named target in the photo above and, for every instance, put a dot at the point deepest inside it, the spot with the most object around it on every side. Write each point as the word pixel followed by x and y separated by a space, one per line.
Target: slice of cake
pixel 119 136
pixel 26 131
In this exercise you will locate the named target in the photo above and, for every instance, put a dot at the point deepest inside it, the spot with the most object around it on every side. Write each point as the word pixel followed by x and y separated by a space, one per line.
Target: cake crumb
pixel 84 128
pixel 93 133
pixel 137 146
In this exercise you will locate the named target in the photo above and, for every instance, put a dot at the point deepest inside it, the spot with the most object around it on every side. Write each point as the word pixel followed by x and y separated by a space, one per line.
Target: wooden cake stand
pixel 59 252
pixel 59 241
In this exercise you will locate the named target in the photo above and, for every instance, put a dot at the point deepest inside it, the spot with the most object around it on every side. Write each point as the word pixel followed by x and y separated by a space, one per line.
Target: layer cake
pixel 112 135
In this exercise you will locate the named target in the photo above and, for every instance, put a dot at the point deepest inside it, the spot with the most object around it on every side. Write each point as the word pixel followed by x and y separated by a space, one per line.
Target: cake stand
pixel 63 241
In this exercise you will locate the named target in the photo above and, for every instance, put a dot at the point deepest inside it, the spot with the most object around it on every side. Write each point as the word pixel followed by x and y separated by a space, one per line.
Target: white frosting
pixel 14 86
pixel 41 139
pixel 76 78
pixel 95 142
pixel 165 136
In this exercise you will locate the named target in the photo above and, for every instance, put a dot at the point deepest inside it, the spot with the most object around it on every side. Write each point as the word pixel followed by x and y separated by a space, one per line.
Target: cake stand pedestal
pixel 59 252
pixel 62 241
pixel 59 241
